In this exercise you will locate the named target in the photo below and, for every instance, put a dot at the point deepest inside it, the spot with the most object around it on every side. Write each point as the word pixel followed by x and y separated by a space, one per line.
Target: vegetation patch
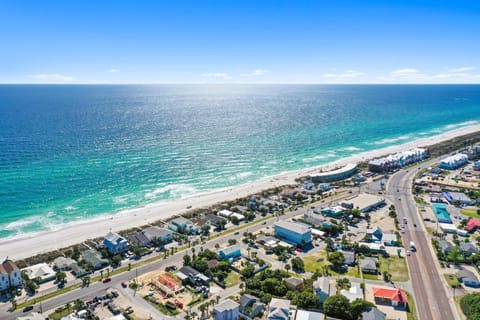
pixel 471 212
pixel 232 280
pixel 412 310
pixel 452 280
pixel 470 305
pixel 396 267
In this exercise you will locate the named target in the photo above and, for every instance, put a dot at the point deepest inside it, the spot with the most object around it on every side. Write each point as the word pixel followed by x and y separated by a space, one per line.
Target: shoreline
pixel 45 241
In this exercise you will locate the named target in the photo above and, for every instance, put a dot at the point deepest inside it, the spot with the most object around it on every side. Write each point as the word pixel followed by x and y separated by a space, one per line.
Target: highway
pixel 429 290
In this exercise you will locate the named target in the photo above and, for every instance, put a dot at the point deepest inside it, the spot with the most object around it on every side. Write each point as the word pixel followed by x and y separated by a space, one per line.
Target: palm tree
pixel 287 267
pixel 217 246
pixel 217 298
pixel 194 315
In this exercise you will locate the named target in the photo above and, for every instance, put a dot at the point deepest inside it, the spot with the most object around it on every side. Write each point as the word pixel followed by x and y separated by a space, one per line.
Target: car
pixel 415 225
pixel 106 280
pixel 27 308
pixel 236 233
pixel 124 284
pixel 264 222
pixel 204 242
pixel 408 252
pixel 115 294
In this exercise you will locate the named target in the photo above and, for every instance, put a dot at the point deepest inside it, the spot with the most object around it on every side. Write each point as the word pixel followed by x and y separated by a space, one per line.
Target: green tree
pixel 336 259
pixel 287 267
pixel 60 277
pixel 232 241
pixel 247 272
pixel 187 260
pixel 358 306
pixel 337 306
pixel 343 283
pixel 454 255
pixel 298 264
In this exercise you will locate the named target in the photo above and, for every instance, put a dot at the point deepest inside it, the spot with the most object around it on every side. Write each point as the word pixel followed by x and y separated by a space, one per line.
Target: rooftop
pixel 347 168
pixel 392 294
pixel 309 315
pixel 294 227
pixel 226 305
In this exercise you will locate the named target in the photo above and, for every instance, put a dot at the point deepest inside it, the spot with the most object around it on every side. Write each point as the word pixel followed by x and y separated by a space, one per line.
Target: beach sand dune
pixel 72 234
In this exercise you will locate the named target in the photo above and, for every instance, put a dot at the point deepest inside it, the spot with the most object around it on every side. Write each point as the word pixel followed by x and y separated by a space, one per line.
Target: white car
pixel 408 252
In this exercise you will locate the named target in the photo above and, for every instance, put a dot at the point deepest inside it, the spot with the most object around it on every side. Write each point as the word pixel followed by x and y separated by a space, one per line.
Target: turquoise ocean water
pixel 69 153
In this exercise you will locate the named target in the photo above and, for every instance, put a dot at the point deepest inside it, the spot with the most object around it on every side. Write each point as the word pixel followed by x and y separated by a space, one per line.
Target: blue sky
pixel 239 41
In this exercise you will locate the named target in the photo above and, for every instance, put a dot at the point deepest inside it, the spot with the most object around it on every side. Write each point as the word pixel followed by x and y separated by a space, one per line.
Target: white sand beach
pixel 76 233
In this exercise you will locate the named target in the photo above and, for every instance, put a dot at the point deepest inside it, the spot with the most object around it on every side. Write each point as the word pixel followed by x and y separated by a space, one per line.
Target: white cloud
pixel 345 75
pixel 461 69
pixel 404 72
pixel 256 72
pixel 218 75
pixel 113 70
pixel 53 77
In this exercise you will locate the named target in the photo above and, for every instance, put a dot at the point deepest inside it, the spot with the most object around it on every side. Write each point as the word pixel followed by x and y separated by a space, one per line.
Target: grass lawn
pixel 369 276
pixel 62 312
pixel 396 266
pixel 412 310
pixel 232 279
pixel 317 261
pixel 452 280
pixel 470 212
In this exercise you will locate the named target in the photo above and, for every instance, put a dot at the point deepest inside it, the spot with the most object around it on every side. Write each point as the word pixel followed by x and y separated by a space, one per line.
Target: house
pixel 225 213
pixel 336 211
pixel 445 247
pixel 323 288
pixel 349 257
pixel 62 263
pixel 293 232
pixel 390 239
pixel 373 247
pixel 158 235
pixel 293 283
pixel 41 271
pixel 374 314
pixel 194 277
pixel 472 224
pixel 279 309
pixel 32 316
pixel 10 275
pixel 378 236
pixel 355 292
pixel 457 198
pixel 216 221
pixel 375 234
pixel 397 298
pixel 78 271
pixel 93 257
pixel 369 265
pixel 138 239
pixel 182 225
pixel 453 162
pixel 212 263
pixel 309 315
pixel 251 306
pixel 230 252
pixel 468 278
pixel 226 310
pixel 468 248
pixel 115 243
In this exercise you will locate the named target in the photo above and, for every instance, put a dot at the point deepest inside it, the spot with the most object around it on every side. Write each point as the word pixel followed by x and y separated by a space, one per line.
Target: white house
pixel 10 275
pixel 42 271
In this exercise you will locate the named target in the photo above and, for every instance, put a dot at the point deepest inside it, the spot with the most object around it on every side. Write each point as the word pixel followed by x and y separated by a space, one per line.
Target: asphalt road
pixel 430 295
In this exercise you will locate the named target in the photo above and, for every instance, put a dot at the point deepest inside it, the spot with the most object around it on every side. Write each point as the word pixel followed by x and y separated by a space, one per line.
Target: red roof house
pixel 472 224
pixel 395 297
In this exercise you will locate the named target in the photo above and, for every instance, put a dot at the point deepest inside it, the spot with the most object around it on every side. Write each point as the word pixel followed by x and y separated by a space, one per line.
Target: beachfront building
pixel 63 263
pixel 94 258
pixel 397 160
pixel 231 252
pixel 115 243
pixel 227 310
pixel 453 162
pixel 335 175
pixel 364 202
pixel 457 198
pixel 10 275
pixel 146 237
pixel 293 232
pixel 41 271
pixel 336 211
pixel 182 225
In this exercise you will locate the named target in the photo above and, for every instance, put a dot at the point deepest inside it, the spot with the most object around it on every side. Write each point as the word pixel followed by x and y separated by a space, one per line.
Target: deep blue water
pixel 72 152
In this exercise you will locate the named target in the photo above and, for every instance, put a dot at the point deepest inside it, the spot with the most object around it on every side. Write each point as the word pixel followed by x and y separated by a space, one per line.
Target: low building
pixel 158 235
pixel 397 160
pixel 448 228
pixel 10 275
pixel 94 258
pixel 293 232
pixel 182 225
pixel 336 211
pixel 453 162
pixel 468 248
pixel 369 265
pixel 115 243
pixel 373 247
pixel 192 276
pixel 445 247
pixel 309 315
pixel 216 221
pixel 41 271
pixel 472 225
pixel 457 198
pixel 390 239
pixel 251 306
pixel 355 292
pixel 440 211
pixel 395 297
pixel 364 202
pixel 78 271
pixel 293 283
pixel 63 263
pixel 227 310
pixel 335 175
pixel 375 234
pixel 349 257
pixel 279 309
pixel 468 278
pixel 373 314
pixel 324 289
pixel 230 252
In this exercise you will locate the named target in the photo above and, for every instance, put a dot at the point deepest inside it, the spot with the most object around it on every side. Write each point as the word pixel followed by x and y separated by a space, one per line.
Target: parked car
pixel 107 280
pixel 27 308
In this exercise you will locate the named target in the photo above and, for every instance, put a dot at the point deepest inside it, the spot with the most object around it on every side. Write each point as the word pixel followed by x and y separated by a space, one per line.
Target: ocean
pixel 74 152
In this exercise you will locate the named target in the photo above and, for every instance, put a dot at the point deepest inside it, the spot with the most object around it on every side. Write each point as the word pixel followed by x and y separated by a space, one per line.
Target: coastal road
pixel 429 290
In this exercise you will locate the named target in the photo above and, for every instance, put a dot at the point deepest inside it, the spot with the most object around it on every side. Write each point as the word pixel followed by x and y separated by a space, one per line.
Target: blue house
pixel 182 225
pixel 230 252
pixel 453 162
pixel 115 243
pixel 293 232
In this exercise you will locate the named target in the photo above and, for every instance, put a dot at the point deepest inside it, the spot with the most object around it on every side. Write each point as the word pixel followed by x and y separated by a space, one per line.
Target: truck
pixel 412 246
